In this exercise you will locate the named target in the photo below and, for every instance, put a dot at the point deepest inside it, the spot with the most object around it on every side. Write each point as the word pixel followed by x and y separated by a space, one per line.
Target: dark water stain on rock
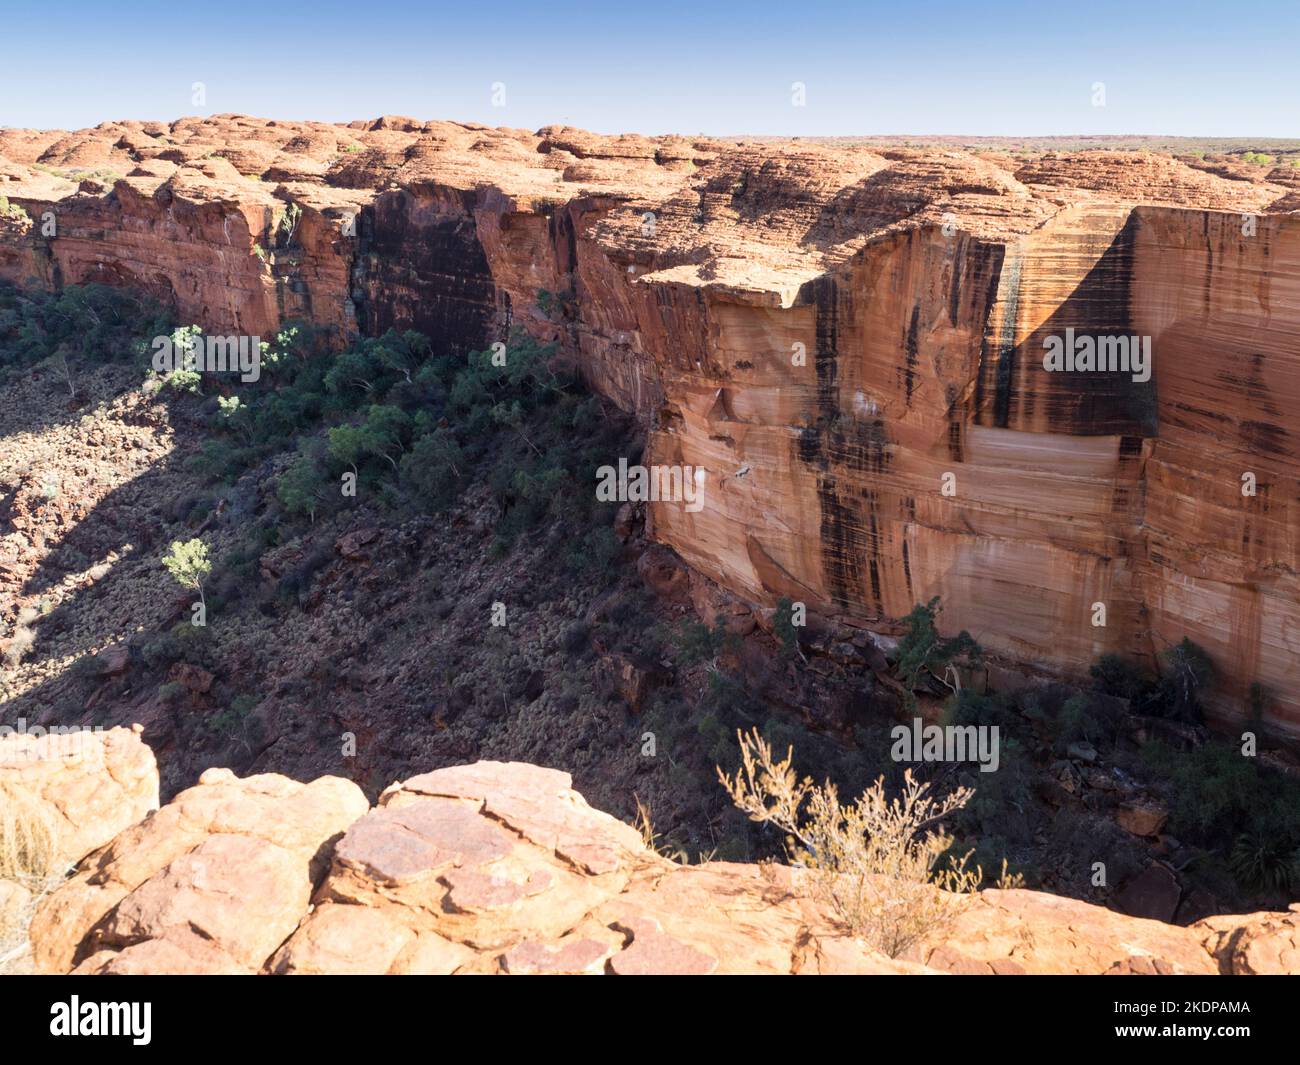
pixel 825 292
pixel 1027 396
pixel 910 353
pixel 838 443
pixel 422 267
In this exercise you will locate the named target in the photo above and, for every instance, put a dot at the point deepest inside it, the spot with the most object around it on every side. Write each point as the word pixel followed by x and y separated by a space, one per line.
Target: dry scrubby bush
pixel 874 861
pixel 23 638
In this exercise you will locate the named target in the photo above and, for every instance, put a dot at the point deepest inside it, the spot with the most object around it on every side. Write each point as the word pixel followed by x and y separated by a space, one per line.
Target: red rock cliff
pixel 849 341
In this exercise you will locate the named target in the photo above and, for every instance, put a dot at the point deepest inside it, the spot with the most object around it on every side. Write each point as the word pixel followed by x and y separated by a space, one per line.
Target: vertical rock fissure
pixel 1006 339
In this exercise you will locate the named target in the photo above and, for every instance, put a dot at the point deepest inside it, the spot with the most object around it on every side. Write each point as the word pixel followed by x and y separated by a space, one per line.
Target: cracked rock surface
pixel 501 867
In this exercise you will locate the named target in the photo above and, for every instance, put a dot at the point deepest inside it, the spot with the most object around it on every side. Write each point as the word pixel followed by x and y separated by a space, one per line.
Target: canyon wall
pixel 849 341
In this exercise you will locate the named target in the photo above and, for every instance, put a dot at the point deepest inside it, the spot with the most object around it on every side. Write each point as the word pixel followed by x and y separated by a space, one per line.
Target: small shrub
pixel 969 707
pixel 171 692
pixel 23 638
pixel 1265 863
pixel 574 639
pixel 643 822
pixel 1117 676
pixel 1077 724
pixel 85 667
pixel 194 643
pixel 13 210
pixel 596 552
pixel 1255 702
pixel 989 853
pixel 231 720
pixel 873 862
pixel 695 642
pixel 161 652
pixel 289 224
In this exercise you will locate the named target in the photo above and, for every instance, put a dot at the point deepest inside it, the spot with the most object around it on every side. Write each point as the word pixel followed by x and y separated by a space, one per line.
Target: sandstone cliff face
pixel 849 341
pixel 502 868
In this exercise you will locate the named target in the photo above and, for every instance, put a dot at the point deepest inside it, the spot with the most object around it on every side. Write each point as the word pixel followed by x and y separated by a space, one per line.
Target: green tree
pixel 347 445
pixel 381 435
pixel 189 564
pixel 512 415
pixel 433 467
pixel 301 488
pixel 923 650
pixel 1189 670
pixel 186 375
pixel 385 431
pixel 402 353
pixel 470 389
pixel 783 625
pixel 234 414
pixel 351 376
pixel 1117 676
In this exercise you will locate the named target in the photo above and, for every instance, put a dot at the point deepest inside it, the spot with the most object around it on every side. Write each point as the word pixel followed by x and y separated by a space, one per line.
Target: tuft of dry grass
pixel 29 869
pixel 28 841
pixel 644 823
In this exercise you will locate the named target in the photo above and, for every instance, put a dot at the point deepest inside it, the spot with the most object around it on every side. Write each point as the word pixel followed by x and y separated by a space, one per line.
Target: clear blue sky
pixel 992 67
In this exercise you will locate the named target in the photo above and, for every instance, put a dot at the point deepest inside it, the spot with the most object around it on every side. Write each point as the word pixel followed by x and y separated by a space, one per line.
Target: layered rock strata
pixel 849 341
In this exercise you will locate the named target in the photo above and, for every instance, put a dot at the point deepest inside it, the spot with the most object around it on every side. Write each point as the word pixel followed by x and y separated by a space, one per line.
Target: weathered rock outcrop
pixel 503 868
pixel 213 882
pixel 849 341
pixel 88 785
